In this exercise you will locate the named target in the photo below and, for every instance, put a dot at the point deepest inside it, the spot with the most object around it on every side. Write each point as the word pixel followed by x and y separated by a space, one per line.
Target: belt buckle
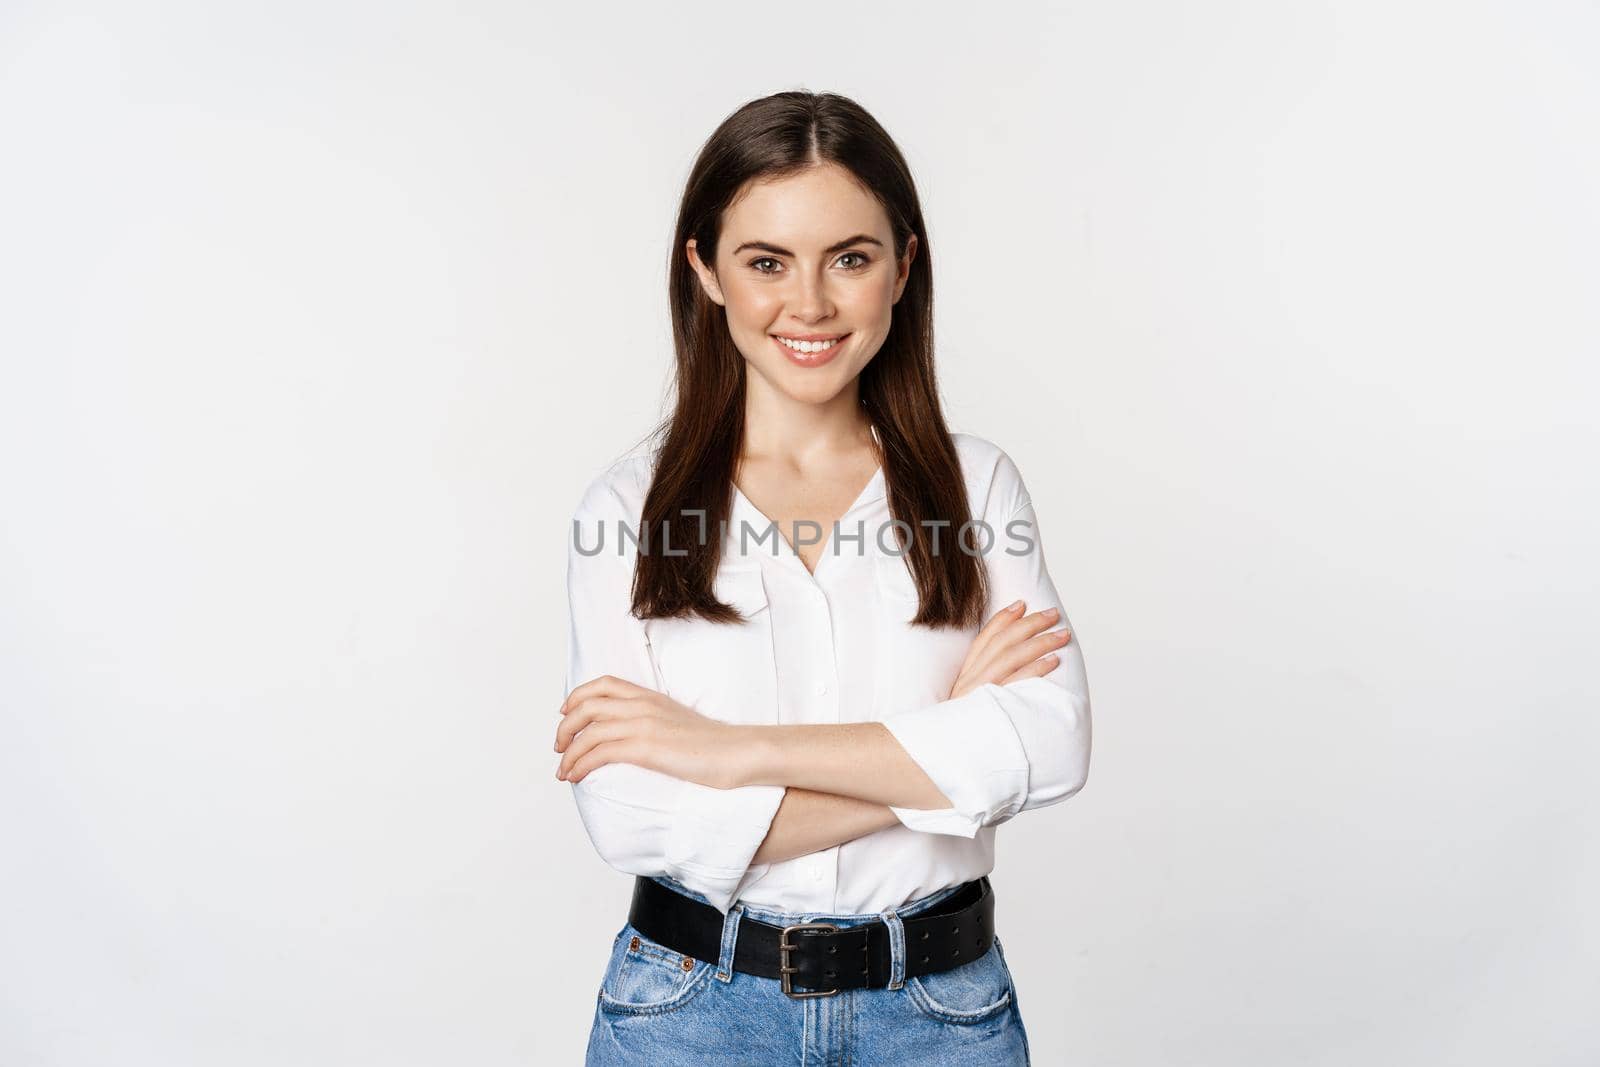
pixel 784 948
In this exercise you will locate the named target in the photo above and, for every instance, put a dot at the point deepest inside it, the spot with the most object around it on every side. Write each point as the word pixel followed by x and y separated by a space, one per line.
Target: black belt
pixel 820 956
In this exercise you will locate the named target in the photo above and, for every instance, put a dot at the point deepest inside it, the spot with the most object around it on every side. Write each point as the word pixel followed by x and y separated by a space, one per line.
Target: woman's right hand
pixel 1010 647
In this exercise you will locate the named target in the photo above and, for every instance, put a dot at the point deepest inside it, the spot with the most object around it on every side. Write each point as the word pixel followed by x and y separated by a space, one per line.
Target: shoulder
pixel 617 491
pixel 994 483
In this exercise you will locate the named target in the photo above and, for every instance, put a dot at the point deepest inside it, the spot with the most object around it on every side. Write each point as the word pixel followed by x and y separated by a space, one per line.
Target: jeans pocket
pixel 645 977
pixel 977 990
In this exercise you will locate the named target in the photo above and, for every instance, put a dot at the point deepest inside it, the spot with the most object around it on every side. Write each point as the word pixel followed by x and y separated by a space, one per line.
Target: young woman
pixel 815 654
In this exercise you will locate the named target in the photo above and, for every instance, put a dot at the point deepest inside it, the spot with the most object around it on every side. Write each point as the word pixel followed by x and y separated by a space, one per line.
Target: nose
pixel 810 302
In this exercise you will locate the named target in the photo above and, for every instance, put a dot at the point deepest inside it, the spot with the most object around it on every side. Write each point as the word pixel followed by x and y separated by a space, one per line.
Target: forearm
pixel 861 760
pixel 808 821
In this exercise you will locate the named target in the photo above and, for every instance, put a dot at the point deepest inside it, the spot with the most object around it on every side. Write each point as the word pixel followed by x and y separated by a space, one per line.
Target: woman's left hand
pixel 609 720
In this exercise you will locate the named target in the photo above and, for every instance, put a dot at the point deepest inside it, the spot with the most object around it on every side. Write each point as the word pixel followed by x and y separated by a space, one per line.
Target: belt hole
pixel 827 974
pixel 863 970
pixel 833 948
pixel 956 951
pixel 924 959
pixel 957 930
pixel 924 936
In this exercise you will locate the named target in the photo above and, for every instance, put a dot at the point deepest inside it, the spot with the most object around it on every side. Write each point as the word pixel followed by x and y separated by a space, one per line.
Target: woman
pixel 798 737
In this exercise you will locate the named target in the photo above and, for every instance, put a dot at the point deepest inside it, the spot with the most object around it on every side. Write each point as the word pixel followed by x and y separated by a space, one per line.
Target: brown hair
pixel 768 138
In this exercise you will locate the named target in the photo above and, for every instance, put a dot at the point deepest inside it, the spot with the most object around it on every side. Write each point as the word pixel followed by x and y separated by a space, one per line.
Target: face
pixel 805 268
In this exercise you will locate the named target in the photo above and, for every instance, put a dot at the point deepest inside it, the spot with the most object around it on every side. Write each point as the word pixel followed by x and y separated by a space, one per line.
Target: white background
pixel 317 317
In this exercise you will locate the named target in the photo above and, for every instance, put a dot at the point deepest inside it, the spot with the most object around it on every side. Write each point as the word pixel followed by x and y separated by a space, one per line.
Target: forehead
pixel 805 211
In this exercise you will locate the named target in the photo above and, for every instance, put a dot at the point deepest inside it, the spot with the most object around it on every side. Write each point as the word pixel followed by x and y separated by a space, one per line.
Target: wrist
pixel 759 757
pixel 751 763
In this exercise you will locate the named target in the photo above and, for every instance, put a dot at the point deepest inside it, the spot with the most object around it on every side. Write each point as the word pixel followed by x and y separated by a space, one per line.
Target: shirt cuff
pixel 715 832
pixel 970 749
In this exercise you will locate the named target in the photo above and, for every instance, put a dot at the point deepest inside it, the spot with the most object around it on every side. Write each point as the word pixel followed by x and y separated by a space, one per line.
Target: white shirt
pixel 829 647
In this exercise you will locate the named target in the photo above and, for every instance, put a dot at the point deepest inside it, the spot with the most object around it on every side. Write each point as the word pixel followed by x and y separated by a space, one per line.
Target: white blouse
pixel 829 647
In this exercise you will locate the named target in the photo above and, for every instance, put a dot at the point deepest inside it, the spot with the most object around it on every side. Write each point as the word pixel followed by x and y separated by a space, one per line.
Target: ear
pixel 708 277
pixel 904 268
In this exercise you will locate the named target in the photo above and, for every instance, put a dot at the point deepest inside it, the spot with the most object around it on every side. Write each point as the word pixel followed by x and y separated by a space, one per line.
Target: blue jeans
pixel 653 1008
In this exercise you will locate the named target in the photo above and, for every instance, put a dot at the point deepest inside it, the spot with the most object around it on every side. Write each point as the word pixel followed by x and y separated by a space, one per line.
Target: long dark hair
pixel 773 137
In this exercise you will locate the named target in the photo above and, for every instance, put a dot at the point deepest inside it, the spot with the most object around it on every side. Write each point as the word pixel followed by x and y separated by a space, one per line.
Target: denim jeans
pixel 654 1006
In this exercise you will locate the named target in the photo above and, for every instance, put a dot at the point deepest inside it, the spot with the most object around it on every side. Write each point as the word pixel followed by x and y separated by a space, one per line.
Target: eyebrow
pixel 837 246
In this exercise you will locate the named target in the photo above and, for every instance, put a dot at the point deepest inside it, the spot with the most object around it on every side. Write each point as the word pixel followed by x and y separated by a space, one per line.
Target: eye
pixel 862 264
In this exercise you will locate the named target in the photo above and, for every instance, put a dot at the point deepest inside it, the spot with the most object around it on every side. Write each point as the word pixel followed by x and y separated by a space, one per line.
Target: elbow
pixel 648 824
pixel 1077 743
pixel 1077 779
pixel 628 838
pixel 1074 742
pixel 1061 768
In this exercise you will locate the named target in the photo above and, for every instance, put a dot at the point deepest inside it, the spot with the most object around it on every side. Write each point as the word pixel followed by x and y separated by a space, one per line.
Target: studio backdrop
pixel 316 320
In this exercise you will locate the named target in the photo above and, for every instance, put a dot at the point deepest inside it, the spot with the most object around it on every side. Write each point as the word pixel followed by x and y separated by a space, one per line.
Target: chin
pixel 814 392
pixel 805 386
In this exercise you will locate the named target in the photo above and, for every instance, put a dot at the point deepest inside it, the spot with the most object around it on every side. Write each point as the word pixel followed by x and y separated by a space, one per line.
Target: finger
pixel 1037 669
pixel 1007 658
pixel 997 622
pixel 1009 632
pixel 604 685
pixel 591 710
pixel 599 709
pixel 1049 641
pixel 599 756
pixel 598 734
pixel 1017 633
pixel 579 716
pixel 1029 625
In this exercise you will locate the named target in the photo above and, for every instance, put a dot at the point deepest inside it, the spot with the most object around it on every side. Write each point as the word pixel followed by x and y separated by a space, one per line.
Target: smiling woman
pixel 801 747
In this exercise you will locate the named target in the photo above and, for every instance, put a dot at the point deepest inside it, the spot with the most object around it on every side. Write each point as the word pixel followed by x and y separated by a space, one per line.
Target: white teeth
pixel 809 346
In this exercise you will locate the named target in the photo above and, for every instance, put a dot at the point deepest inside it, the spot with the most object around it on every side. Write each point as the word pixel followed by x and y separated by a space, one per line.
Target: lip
pixel 815 359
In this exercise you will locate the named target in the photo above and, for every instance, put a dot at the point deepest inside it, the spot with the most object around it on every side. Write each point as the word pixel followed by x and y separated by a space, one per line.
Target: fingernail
pixel 1015 604
pixel 1052 612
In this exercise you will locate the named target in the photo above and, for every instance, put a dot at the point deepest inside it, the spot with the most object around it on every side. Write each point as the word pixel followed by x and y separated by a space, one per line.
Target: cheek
pixel 871 303
pixel 750 308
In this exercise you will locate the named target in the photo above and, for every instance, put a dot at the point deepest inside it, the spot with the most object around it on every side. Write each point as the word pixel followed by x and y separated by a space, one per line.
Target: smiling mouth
pixel 810 353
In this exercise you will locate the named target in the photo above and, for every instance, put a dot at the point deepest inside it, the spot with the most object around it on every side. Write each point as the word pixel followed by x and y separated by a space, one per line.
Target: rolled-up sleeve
pixel 641 821
pixel 1004 749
